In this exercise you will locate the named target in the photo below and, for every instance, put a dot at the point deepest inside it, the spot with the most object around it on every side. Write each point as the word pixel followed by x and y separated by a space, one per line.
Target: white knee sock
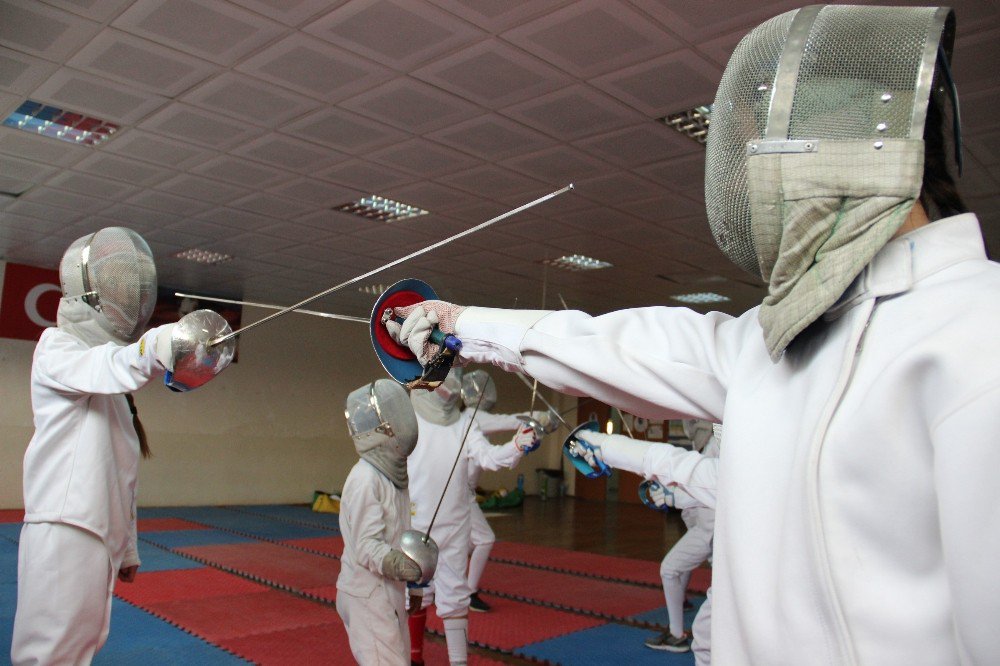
pixel 477 563
pixel 456 633
pixel 673 590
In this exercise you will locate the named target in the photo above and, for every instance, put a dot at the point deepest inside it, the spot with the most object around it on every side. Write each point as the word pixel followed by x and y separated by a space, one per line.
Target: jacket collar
pixel 913 257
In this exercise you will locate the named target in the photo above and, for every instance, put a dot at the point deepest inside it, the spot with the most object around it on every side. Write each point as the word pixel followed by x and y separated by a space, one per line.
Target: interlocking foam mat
pixel 607 644
pixel 580 563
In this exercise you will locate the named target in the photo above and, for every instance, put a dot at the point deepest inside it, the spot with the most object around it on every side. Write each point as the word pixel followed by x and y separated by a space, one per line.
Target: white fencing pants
pixel 482 539
pixel 675 570
pixel 64 585
pixel 702 630
pixel 376 626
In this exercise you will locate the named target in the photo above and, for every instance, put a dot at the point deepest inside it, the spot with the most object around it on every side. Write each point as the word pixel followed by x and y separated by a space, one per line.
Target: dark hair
pixel 939 194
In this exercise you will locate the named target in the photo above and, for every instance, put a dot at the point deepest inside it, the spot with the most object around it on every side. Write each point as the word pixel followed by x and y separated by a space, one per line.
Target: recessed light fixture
pixel 373 289
pixel 701 297
pixel 691 122
pixel 203 256
pixel 577 262
pixel 379 208
pixel 57 123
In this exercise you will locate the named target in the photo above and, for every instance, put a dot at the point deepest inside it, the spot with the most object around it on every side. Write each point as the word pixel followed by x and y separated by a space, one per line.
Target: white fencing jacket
pixel 81 465
pixel 857 515
pixel 490 424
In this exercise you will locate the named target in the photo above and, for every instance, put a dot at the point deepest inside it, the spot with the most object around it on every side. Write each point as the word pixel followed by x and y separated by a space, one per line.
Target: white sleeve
pixel 966 460
pixel 488 456
pixel 66 366
pixel 695 474
pixel 132 551
pixel 654 362
pixel 364 512
pixel 493 423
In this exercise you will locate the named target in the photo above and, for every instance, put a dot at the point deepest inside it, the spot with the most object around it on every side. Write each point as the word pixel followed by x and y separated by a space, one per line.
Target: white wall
pixel 269 429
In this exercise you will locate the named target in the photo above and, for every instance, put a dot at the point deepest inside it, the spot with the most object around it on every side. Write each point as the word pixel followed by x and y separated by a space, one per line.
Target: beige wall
pixel 270 429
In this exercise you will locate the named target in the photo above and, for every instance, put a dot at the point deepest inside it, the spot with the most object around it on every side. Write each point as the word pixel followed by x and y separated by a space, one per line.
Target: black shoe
pixel 669 642
pixel 477 604
pixel 688 606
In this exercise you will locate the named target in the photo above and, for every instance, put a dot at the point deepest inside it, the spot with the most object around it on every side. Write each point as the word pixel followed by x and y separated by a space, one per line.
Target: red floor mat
pixel 333 545
pixel 11 515
pixel 327 592
pixel 271 562
pixel 316 644
pixel 177 584
pixel 166 524
pixel 598 596
pixel 512 624
pixel 436 654
pixel 606 566
pixel 220 618
pixel 701 580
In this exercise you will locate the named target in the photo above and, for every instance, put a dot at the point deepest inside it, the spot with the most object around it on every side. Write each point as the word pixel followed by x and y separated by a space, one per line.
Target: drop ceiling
pixel 244 122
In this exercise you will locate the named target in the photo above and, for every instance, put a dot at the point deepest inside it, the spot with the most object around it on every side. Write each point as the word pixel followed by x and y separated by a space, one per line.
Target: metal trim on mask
pixel 928 63
pixel 765 147
pixel 779 114
pixel 382 427
pixel 88 293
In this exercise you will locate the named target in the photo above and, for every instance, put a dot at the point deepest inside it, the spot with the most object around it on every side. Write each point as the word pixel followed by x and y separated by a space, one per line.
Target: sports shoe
pixel 477 604
pixel 669 642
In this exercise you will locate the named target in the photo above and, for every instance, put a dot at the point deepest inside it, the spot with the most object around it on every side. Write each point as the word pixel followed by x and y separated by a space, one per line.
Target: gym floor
pixel 570 581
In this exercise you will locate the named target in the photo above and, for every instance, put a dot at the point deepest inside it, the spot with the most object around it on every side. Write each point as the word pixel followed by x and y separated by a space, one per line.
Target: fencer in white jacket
pixel 868 377
pixel 441 428
pixel 374 513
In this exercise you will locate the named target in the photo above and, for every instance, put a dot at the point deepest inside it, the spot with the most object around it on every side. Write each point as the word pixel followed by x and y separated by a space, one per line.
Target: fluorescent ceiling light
pixel 57 123
pixel 379 208
pixel 373 289
pixel 577 262
pixel 691 122
pixel 203 256
pixel 701 297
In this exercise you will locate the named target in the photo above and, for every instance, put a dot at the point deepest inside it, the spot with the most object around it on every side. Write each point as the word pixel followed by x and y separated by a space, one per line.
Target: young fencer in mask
pixel 81 466
pixel 442 427
pixel 868 376
pixel 374 514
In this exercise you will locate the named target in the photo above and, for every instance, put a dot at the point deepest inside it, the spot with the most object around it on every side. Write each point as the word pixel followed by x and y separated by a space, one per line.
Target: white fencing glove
pixel 616 451
pixel 591 454
pixel 526 440
pixel 419 321
pixel 398 566
pixel 162 347
pixel 661 496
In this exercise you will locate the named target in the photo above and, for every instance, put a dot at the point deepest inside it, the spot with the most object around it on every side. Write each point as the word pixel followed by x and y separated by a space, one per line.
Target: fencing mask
pixel 440 405
pixel 112 273
pixel 381 422
pixel 815 152
pixel 475 383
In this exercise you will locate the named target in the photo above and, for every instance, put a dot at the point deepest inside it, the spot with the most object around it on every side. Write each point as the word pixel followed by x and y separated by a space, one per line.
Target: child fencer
pixel 481 536
pixel 685 480
pixel 374 513
pixel 81 466
pixel 441 429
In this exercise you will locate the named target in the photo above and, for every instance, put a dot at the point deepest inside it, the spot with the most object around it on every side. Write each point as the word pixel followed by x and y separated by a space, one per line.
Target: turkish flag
pixel 29 301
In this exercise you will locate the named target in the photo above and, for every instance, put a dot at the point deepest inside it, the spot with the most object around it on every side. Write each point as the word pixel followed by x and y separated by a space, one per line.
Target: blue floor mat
pixel 659 615
pixel 6 632
pixel 259 526
pixel 8 604
pixel 8 562
pixel 184 538
pixel 305 514
pixel 11 531
pixel 607 644
pixel 140 638
pixel 157 559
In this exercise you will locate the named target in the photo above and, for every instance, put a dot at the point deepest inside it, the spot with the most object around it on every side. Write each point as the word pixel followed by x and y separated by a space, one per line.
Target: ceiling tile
pixel 123 168
pixel 242 172
pixel 285 152
pixel 82 183
pixel 423 158
pixel 708 18
pixel 141 63
pixel 78 203
pixel 188 123
pixel 203 189
pixel 216 31
pixel 399 34
pixel 97 10
pixel 493 74
pixel 979 110
pixel 181 206
pixel 138 218
pixel 318 192
pixel 574 112
pixel 333 222
pixel 412 106
pixel 24 171
pixel 249 245
pixel 41 148
pixel 560 165
pixel 43 31
pixel 976 73
pixel 984 146
pixel 344 131
pixel 315 68
pixel 617 187
pixel 21 73
pixel 271 205
pixel 491 137
pixel 40 224
pixel 719 49
pixel 593 37
pixel 94 95
pixel 234 218
pixel 289 12
pixel 497 15
pixel 430 196
pixel 366 176
pixel 57 214
pixel 660 209
pixel 684 175
pixel 669 84
pixel 642 144
pixel 155 149
pixel 239 96
pixel 490 180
